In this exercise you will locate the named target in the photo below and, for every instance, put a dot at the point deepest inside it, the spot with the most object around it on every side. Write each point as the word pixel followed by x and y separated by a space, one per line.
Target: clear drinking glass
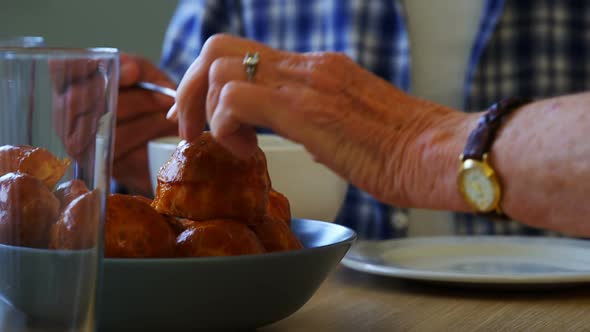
pixel 22 41
pixel 56 135
pixel 18 41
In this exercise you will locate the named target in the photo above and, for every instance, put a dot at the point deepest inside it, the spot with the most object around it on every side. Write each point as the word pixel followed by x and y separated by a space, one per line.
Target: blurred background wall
pixel 136 26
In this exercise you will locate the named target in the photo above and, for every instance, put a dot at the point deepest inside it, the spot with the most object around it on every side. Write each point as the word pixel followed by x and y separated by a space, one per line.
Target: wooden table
pixel 354 301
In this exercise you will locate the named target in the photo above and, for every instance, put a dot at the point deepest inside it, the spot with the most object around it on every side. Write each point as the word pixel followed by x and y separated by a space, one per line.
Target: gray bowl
pixel 225 292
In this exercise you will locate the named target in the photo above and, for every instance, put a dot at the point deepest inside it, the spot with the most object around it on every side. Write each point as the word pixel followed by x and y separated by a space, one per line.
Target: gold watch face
pixel 479 186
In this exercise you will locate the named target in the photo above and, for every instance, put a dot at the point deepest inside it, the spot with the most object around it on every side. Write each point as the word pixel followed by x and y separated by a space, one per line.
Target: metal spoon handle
pixel 157 88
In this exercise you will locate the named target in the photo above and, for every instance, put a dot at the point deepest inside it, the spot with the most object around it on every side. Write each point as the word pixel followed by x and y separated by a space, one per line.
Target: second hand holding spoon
pixel 157 88
pixel 171 115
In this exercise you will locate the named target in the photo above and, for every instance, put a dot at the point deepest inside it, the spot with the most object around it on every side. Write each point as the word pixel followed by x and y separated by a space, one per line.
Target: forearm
pixel 540 153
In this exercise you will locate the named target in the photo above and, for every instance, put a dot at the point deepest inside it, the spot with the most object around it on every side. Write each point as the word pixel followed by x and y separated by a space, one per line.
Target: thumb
pixel 130 71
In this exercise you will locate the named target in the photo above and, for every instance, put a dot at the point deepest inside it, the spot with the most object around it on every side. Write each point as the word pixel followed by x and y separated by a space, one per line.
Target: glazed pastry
pixel 133 229
pixel 218 238
pixel 27 211
pixel 276 235
pixel 68 191
pixel 78 223
pixel 204 181
pixel 275 230
pixel 37 162
pixel 180 224
pixel 279 207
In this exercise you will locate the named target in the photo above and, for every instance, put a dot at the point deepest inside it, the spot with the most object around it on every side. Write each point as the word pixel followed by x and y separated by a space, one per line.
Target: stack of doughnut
pixel 208 203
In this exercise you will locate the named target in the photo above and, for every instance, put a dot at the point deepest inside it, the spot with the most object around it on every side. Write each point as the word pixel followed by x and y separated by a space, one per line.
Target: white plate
pixel 498 260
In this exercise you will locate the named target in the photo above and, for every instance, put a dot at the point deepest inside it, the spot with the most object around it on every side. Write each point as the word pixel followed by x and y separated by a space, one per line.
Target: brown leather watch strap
pixel 482 137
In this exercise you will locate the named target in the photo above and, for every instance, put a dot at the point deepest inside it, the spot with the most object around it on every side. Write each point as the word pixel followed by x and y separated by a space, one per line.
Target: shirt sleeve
pixel 194 21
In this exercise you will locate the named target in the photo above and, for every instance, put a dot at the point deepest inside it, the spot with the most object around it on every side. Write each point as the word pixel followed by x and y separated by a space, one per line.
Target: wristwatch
pixel 477 180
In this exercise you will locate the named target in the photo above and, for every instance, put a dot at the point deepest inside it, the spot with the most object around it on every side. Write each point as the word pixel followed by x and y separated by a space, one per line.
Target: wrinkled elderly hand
pixel 141 117
pixel 79 101
pixel 357 124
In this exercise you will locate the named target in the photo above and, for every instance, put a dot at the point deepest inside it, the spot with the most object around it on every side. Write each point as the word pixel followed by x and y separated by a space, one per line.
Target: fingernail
pixel 171 115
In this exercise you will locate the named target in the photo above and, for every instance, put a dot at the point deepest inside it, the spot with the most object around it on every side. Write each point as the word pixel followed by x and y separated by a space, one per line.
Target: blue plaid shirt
pixel 535 48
